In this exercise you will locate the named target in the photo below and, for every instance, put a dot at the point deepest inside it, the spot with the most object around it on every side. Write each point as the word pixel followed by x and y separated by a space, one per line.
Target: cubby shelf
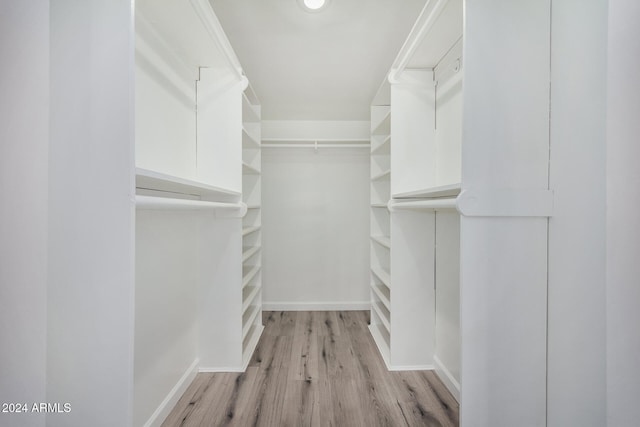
pixel 249 294
pixel 383 293
pixel 384 148
pixel 249 141
pixel 382 240
pixel 248 273
pixel 248 230
pixel 247 169
pixel 381 274
pixel 383 127
pixel 248 319
pixel 382 175
pixel 248 252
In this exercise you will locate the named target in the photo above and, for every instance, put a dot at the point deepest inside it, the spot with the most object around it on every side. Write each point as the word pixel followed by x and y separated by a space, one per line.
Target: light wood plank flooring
pixel 316 369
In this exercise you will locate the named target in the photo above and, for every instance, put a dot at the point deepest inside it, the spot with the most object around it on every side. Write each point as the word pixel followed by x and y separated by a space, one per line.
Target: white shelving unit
pixel 251 225
pixel 416 142
pixel 380 226
pixel 197 145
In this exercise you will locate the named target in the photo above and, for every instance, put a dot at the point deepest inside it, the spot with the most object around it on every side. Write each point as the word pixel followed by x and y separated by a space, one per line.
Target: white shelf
pixel 157 181
pixel 248 295
pixel 248 230
pixel 248 273
pixel 384 148
pixel 379 205
pixel 445 203
pixel 381 175
pixel 249 141
pixel 382 339
pixel 384 126
pixel 167 203
pixel 450 190
pixel 249 170
pixel 384 294
pixel 253 206
pixel 249 252
pixel 250 342
pixel 382 240
pixel 383 314
pixel 382 275
pixel 249 111
pixel 248 319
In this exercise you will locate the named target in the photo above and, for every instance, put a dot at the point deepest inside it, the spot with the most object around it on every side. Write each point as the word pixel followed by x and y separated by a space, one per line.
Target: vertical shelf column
pixel 251 226
pixel 380 229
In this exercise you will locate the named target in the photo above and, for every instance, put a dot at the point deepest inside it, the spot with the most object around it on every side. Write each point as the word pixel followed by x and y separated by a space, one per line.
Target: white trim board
pixel 316 306
pixel 447 379
pixel 412 368
pixel 163 410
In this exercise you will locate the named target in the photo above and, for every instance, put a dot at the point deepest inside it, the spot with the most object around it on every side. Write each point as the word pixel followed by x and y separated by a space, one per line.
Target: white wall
pixel 576 330
pixel 315 216
pixel 24 108
pixel 166 317
pixel 623 228
pixel 91 214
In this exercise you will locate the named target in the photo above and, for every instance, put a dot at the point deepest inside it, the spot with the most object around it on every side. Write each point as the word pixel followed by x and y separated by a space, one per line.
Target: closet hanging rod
pixel 429 204
pixel 166 203
pixel 316 143
pixel 316 146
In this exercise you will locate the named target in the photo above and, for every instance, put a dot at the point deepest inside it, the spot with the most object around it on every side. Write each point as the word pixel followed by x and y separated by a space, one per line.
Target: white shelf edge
pixel 382 240
pixel 147 179
pixel 253 116
pixel 250 275
pixel 381 175
pixel 250 320
pixel 379 205
pixel 384 125
pixel 383 318
pixel 449 190
pixel 383 145
pixel 246 303
pixel 248 253
pixel 385 300
pixel 249 346
pixel 165 203
pixel 247 169
pixel 381 343
pixel 253 206
pixel 448 203
pixel 248 230
pixel 249 141
pixel 382 275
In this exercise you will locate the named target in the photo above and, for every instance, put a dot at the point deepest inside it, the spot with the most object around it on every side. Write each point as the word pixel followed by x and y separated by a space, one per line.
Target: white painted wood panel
pixel 447 298
pixel 90 291
pixel 24 107
pixel 623 229
pixel 166 328
pixel 504 260
pixel 577 322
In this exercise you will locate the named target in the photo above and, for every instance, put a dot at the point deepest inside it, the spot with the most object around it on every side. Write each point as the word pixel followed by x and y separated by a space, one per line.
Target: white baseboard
pixel 316 306
pixel 445 376
pixel 161 413
pixel 412 368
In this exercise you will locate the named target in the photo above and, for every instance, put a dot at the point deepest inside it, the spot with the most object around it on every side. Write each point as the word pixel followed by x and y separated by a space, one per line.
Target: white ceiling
pixel 316 66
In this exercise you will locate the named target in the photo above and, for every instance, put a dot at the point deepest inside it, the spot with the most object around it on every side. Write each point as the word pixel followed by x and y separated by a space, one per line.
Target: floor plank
pixel 316 369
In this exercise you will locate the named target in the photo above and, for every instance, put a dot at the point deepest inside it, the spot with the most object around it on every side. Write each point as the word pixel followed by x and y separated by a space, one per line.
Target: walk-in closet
pixel 319 212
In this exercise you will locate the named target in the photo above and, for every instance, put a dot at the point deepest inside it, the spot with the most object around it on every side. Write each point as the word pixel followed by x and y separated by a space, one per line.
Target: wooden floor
pixel 316 369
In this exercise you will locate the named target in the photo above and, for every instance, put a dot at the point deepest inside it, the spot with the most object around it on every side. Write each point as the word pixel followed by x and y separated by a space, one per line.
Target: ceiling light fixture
pixel 313 5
